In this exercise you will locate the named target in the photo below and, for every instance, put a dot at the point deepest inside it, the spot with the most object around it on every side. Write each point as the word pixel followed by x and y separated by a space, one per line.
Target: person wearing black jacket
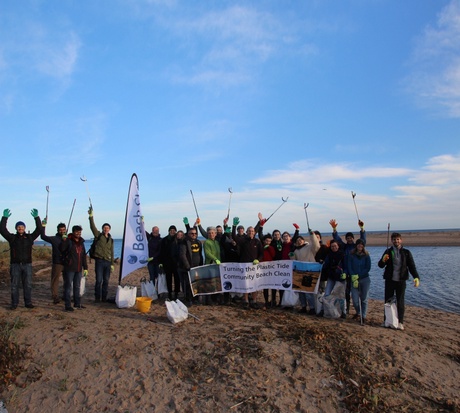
pixel 75 265
pixel 398 263
pixel 154 245
pixel 20 256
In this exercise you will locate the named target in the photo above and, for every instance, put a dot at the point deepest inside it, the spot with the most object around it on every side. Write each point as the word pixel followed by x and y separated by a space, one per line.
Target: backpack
pixel 92 249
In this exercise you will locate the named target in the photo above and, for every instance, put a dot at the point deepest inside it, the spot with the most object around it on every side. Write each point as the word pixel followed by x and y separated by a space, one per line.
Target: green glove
pixel 217 262
pixel 64 237
pixel 291 255
pixel 149 259
pixel 34 213
pixel 90 211
pixel 343 276
pixel 85 273
pixel 6 213
pixel 255 262
pixel 112 268
pixel 228 230
pixel 355 280
pixel 416 282
pixel 236 221
pixel 185 220
pixel 44 222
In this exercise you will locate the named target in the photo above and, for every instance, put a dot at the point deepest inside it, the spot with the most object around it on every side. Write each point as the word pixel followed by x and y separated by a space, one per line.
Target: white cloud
pixel 435 79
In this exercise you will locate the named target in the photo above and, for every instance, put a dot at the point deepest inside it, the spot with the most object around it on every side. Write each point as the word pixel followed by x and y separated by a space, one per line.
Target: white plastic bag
pixel 391 314
pixel 82 286
pixel 148 289
pixel 176 311
pixel 126 296
pixel 162 287
pixel 332 306
pixel 319 302
pixel 290 299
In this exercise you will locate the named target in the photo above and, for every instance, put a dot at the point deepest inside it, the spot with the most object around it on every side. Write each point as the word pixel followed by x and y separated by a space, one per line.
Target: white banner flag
pixel 134 253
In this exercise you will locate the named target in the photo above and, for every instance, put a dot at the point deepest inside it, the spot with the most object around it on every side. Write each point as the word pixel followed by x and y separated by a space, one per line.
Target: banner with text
pixel 134 253
pixel 246 278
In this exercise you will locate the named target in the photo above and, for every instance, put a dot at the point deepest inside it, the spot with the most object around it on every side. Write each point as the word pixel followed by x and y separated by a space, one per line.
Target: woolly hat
pixel 360 241
pixel 172 227
pixel 19 223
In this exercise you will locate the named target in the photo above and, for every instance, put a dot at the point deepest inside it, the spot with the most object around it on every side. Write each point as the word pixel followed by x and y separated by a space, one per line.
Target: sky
pixel 304 101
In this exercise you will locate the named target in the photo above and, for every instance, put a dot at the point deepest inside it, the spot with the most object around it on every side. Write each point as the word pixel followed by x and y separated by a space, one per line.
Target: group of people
pixel 345 262
pixel 69 260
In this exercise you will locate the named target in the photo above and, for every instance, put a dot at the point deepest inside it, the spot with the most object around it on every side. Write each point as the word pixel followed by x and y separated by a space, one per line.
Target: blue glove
pixel 6 213
pixel 236 221
pixel 34 213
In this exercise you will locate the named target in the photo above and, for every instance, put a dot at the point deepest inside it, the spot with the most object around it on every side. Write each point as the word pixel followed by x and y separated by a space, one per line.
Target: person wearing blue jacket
pixel 347 247
pixel 359 265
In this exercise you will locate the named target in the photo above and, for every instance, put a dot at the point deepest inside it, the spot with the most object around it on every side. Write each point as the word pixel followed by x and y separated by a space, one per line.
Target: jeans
pixel 361 293
pixel 56 271
pixel 398 287
pixel 69 278
pixel 23 273
pixel 310 298
pixel 101 289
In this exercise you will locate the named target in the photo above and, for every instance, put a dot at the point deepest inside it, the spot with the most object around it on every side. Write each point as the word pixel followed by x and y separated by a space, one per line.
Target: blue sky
pixel 302 99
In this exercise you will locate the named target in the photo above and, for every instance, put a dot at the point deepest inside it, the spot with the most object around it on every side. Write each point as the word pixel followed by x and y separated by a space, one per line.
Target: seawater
pixel 438 267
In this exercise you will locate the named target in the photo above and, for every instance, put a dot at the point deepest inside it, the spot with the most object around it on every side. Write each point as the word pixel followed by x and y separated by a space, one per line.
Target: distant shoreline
pixel 449 238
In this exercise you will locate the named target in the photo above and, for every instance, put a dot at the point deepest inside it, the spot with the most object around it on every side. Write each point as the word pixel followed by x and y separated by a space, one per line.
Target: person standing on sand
pixel 74 257
pixel 104 258
pixel 306 252
pixel 20 257
pixel 251 250
pixel 359 265
pixel 398 263
pixel 347 248
pixel 57 268
pixel 154 245
pixel 190 256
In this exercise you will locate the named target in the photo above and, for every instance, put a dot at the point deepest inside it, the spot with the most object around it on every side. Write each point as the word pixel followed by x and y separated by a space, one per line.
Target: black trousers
pixel 398 288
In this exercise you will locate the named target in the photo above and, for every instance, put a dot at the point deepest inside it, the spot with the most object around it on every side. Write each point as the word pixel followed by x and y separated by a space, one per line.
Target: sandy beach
pixel 105 359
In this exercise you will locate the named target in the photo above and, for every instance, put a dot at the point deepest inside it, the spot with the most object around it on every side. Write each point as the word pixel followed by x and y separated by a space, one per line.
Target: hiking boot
pixel 80 307
pixel 311 311
pixel 13 306
pixel 69 309
pixel 254 305
pixel 303 310
pixel 29 305
pixel 344 315
pixel 355 317
pixel 245 304
pixel 56 300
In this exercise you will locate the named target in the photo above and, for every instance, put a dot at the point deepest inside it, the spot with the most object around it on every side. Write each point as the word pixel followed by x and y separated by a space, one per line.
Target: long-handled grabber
pixel 305 206
pixel 71 213
pixel 230 200
pixel 284 201
pixel 353 194
pixel 388 236
pixel 87 190
pixel 47 201
pixel 194 204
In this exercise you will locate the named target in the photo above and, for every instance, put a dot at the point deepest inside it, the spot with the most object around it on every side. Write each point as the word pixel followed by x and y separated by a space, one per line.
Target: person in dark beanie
pixel 21 256
pixel 74 257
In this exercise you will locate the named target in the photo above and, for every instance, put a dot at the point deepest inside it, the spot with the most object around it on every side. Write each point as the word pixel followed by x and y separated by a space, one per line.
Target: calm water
pixel 438 267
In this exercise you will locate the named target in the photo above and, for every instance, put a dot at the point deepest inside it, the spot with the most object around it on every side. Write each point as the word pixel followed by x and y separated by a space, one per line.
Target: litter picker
pixel 305 206
pixel 230 200
pixel 194 204
pixel 388 236
pixel 47 201
pixel 353 194
pixel 284 201
pixel 71 213
pixel 83 178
